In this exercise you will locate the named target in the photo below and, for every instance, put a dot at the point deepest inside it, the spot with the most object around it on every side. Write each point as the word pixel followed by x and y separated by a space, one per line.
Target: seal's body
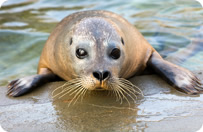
pixel 99 47
pixel 95 28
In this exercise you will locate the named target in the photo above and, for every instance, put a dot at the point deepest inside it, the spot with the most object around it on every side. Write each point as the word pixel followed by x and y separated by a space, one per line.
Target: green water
pixel 26 24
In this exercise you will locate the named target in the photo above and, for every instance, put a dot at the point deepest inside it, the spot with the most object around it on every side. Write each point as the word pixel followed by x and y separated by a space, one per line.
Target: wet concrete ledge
pixel 162 109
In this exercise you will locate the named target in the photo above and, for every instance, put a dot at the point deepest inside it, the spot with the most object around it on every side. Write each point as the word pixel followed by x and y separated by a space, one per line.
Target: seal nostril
pixel 97 75
pixel 106 74
pixel 101 75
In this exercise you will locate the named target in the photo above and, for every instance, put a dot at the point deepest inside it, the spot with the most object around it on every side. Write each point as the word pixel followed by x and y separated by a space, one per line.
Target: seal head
pixel 96 55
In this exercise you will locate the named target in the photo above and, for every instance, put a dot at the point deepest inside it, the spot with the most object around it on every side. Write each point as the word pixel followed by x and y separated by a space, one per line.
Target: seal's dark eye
pixel 115 53
pixel 81 53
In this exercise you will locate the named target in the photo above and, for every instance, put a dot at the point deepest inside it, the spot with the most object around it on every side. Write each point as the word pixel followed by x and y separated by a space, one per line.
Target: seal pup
pixel 98 49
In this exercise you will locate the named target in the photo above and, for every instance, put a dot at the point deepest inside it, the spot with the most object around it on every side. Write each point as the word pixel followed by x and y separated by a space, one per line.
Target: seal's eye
pixel 81 53
pixel 115 53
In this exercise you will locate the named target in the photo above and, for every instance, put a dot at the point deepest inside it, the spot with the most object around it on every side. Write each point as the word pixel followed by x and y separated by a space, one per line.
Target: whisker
pixel 129 89
pixel 74 81
pixel 71 89
pixel 132 85
pixel 78 88
pixel 58 94
pixel 77 95
pixel 128 93
pixel 70 84
pixel 64 90
pixel 123 88
pixel 118 97
pixel 122 91
pixel 83 94
pixel 58 88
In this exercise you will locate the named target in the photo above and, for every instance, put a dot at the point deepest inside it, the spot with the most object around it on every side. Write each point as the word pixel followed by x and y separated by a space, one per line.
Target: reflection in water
pixel 97 111
pixel 169 26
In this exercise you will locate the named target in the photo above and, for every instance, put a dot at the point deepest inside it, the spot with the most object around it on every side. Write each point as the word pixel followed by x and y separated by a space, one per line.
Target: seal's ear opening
pixel 71 40
pixel 122 41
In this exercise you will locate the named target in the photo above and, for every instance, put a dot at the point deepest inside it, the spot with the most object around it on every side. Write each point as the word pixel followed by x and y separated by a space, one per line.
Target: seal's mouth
pixel 101 85
pixel 99 88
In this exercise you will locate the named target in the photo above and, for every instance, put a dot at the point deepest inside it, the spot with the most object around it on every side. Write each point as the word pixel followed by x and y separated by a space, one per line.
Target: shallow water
pixel 169 26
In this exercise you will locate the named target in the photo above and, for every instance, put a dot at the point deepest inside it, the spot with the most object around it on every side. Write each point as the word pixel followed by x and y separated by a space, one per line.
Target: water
pixel 169 26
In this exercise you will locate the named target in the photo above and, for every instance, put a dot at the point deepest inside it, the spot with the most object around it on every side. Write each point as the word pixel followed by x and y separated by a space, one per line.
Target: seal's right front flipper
pixel 180 78
pixel 24 85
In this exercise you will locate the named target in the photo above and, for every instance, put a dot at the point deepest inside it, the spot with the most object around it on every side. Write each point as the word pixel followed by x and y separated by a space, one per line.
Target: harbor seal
pixel 99 49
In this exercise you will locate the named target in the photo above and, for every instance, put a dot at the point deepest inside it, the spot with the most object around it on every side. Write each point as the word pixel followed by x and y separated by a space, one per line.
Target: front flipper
pixel 180 78
pixel 24 85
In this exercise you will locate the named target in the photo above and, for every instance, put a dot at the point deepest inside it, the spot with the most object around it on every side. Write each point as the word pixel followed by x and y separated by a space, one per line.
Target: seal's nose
pixel 101 75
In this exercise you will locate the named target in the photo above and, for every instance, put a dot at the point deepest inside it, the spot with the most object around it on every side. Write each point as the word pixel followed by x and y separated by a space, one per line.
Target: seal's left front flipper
pixel 181 78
